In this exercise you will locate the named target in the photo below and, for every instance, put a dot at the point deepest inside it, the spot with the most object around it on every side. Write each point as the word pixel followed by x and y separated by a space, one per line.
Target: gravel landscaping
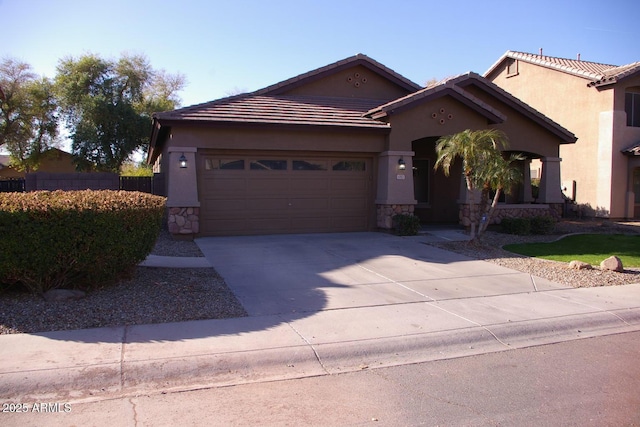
pixel 490 249
pixel 160 295
pixel 152 295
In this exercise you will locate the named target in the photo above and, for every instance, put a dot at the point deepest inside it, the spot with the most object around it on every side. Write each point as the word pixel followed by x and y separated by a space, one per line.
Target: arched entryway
pixel 437 195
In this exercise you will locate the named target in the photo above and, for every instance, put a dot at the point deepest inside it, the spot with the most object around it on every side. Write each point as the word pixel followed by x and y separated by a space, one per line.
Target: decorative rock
pixel 56 295
pixel 579 265
pixel 612 263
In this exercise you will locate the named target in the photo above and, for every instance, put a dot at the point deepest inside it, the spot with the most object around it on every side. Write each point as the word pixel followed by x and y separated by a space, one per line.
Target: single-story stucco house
pixel 53 160
pixel 341 148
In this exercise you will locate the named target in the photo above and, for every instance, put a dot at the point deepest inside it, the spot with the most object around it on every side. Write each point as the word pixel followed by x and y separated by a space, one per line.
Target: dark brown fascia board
pixel 491 114
pixel 158 136
pixel 321 72
pixel 271 125
pixel 475 79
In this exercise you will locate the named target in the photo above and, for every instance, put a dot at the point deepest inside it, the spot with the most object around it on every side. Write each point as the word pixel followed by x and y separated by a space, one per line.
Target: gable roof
pixel 358 59
pixel 599 74
pixel 455 87
pixel 271 105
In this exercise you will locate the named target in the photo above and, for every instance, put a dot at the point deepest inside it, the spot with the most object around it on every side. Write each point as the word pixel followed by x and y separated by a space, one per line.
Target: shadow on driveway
pixel 284 278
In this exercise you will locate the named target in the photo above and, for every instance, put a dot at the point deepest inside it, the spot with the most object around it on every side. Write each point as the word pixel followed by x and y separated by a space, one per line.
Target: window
pixel 421 177
pixel 225 164
pixel 309 165
pixel 632 108
pixel 268 165
pixel 350 166
pixel 512 67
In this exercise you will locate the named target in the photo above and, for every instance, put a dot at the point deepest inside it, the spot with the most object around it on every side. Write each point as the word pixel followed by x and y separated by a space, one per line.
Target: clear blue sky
pixel 227 46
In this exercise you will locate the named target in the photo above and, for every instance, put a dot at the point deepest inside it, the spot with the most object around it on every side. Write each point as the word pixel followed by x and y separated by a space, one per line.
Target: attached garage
pixel 267 193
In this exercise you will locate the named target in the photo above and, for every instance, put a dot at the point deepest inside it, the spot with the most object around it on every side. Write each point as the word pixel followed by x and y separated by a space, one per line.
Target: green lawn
pixel 590 248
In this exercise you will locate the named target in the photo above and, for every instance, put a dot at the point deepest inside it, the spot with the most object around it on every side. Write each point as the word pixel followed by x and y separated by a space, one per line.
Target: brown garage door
pixel 263 194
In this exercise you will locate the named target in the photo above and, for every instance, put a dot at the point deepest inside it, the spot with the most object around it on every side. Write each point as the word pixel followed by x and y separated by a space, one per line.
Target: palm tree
pixel 478 150
pixel 500 175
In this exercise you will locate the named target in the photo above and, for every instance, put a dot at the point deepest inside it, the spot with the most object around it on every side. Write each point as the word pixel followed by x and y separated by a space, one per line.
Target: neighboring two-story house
pixel 600 103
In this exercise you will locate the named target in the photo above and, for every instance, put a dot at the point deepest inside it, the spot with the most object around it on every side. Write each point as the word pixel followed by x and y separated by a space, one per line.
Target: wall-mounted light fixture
pixel 401 164
pixel 182 161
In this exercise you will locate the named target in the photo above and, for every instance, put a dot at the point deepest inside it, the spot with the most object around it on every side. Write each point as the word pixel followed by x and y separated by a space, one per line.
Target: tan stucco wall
pixel 190 140
pixel 56 162
pixel 594 161
pixel 354 82
pixel 524 135
pixel 287 139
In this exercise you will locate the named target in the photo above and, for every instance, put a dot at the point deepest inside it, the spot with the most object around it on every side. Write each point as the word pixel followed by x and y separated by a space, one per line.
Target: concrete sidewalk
pixel 318 305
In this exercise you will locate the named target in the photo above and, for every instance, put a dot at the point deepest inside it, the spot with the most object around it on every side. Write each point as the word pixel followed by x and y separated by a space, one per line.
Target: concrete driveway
pixel 288 274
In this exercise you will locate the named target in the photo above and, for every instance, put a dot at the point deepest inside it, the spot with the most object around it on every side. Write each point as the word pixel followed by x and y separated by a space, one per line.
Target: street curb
pixel 270 364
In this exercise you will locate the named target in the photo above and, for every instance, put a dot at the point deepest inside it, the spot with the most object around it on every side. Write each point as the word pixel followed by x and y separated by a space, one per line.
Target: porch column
pixel 550 190
pixel 395 187
pixel 182 193
pixel 527 196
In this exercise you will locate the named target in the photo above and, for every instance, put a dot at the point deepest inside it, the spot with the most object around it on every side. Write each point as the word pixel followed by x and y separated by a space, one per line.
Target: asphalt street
pixel 587 382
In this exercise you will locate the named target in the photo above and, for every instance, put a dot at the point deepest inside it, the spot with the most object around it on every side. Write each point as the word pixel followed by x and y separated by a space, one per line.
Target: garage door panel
pixel 267 226
pixel 225 185
pixel 308 204
pixel 224 207
pixel 230 226
pixel 304 185
pixel 260 184
pixel 348 186
pixel 266 204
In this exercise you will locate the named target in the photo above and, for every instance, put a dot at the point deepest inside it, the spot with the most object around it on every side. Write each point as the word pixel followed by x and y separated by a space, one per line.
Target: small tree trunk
pixel 472 217
pixel 489 213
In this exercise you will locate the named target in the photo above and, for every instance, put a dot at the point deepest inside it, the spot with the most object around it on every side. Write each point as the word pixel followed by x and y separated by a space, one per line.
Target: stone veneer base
pixel 184 222
pixel 553 210
pixel 385 214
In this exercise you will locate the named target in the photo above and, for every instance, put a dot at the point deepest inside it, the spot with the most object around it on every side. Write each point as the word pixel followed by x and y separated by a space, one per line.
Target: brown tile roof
pixel 598 73
pixel 632 150
pixel 281 109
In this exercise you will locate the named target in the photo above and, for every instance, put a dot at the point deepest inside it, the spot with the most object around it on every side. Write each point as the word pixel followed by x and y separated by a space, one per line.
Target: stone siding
pixel 184 221
pixel 553 210
pixel 387 212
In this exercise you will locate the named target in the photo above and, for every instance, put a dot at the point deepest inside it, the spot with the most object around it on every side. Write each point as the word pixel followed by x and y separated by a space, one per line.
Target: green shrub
pixel 519 226
pixel 75 239
pixel 406 225
pixel 542 225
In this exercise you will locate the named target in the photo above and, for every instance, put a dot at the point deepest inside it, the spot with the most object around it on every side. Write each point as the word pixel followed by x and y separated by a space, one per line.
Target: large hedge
pixel 75 239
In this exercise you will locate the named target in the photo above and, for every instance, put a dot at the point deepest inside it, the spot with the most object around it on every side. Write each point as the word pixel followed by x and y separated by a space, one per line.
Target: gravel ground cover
pixel 160 295
pixel 152 295
pixel 490 250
